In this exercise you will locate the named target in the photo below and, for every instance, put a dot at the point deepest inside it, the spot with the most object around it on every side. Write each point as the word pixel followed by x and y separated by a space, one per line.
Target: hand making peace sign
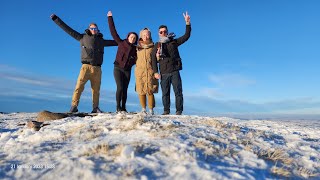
pixel 186 17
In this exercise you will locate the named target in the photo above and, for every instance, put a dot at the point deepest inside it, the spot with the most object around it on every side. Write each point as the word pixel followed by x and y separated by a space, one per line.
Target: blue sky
pixel 243 57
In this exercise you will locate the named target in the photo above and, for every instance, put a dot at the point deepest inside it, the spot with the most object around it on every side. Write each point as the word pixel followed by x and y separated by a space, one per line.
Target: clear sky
pixel 244 56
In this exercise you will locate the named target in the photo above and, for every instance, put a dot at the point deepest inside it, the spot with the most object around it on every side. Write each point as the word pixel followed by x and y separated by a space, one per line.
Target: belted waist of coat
pixel 91 64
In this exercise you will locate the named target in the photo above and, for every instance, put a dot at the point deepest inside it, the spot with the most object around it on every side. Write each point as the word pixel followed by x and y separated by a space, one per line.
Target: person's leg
pixel 177 88
pixel 165 87
pixel 95 80
pixel 143 102
pixel 126 81
pixel 82 79
pixel 142 99
pixel 151 101
pixel 118 78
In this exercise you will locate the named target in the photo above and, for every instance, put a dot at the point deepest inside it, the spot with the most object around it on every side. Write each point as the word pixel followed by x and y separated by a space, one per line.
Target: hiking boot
pixel 96 110
pixel 166 112
pixel 151 111
pixel 144 111
pixel 73 109
pixel 178 112
pixel 124 110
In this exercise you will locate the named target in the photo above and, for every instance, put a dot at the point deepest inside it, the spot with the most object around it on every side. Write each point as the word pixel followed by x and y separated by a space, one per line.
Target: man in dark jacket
pixel 166 53
pixel 92 49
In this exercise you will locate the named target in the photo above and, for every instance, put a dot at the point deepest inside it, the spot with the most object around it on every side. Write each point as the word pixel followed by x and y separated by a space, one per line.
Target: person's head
pixel 93 27
pixel 163 30
pixel 145 35
pixel 132 37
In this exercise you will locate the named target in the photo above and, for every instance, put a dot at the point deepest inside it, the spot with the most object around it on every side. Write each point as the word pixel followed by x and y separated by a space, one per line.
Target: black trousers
pixel 122 78
pixel 173 78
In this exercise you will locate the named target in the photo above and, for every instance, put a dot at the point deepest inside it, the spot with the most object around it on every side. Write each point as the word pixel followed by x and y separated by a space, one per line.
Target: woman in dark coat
pixel 126 57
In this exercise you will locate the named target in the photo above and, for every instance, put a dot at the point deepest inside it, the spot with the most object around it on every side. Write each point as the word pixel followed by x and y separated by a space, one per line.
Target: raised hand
pixel 109 13
pixel 53 16
pixel 186 17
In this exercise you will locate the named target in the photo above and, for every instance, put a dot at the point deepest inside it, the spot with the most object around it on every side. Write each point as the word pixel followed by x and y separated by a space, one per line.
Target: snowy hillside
pixel 133 146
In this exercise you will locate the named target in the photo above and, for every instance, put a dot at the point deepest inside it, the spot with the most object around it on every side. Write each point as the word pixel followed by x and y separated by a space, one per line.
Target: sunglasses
pixel 94 29
pixel 162 32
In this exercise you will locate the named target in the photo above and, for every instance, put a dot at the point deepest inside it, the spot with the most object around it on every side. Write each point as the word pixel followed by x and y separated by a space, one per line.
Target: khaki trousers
pixel 92 73
pixel 151 101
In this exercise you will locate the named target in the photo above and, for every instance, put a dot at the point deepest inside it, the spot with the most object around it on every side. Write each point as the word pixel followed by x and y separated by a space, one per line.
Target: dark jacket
pixel 171 60
pixel 92 46
pixel 127 54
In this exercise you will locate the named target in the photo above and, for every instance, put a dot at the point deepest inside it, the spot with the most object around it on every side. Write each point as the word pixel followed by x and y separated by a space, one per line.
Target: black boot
pixel 118 109
pixel 73 109
pixel 96 110
pixel 123 109
pixel 166 112
pixel 178 112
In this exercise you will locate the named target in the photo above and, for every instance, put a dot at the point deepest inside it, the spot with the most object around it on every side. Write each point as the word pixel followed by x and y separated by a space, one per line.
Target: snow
pixel 137 146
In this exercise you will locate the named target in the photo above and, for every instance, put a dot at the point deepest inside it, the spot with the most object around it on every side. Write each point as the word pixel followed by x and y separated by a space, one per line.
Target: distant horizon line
pixel 241 116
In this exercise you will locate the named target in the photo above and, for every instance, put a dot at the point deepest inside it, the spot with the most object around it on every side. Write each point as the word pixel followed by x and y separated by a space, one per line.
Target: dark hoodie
pixel 92 46
pixel 127 53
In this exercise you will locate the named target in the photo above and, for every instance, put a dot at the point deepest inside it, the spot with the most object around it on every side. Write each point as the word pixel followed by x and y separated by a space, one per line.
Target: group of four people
pixel 133 50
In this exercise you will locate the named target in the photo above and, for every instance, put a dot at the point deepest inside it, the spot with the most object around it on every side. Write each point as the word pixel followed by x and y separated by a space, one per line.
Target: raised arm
pixel 110 43
pixel 66 28
pixel 112 28
pixel 187 33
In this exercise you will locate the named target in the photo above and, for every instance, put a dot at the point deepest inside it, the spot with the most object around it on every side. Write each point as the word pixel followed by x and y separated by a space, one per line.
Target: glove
pixel 53 17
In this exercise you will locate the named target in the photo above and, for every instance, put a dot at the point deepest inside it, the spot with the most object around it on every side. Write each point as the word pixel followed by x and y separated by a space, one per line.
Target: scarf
pixel 161 41
pixel 145 44
pixel 164 39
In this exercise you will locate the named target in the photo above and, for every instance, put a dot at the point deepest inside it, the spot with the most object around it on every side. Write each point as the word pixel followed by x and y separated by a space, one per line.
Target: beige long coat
pixel 145 81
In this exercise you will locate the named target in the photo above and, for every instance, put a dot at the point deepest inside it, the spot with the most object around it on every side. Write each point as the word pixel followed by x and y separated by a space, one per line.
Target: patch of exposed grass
pixel 105 150
pixel 280 171
pixel 306 173
pixel 91 133
pixel 275 156
pixel 72 131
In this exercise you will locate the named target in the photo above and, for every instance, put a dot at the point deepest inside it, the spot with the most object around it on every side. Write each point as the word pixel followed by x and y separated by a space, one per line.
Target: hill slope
pixel 168 147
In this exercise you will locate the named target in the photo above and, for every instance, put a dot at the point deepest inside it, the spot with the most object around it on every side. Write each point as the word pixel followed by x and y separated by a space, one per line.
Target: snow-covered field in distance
pixel 136 146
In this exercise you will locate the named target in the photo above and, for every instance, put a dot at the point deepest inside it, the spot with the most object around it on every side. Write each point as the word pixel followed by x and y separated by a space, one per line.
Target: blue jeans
pixel 173 78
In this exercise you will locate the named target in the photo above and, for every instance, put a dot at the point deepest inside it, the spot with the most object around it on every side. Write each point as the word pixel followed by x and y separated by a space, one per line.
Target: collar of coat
pixel 145 45
pixel 87 31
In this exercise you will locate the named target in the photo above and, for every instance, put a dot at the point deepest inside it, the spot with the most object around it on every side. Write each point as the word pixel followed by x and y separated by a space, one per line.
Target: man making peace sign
pixel 166 53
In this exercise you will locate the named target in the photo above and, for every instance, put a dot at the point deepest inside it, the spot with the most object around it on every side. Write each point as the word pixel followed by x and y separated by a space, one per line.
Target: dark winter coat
pixel 127 54
pixel 92 46
pixel 171 60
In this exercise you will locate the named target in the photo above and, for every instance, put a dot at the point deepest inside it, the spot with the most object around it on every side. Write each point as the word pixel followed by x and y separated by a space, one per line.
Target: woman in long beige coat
pixel 146 84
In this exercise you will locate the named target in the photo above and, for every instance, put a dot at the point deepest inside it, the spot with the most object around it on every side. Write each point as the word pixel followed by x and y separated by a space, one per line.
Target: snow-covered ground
pixel 135 146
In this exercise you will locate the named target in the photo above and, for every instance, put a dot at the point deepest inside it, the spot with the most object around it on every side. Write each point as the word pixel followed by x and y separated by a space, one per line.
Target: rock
pixel 49 116
pixel 34 125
